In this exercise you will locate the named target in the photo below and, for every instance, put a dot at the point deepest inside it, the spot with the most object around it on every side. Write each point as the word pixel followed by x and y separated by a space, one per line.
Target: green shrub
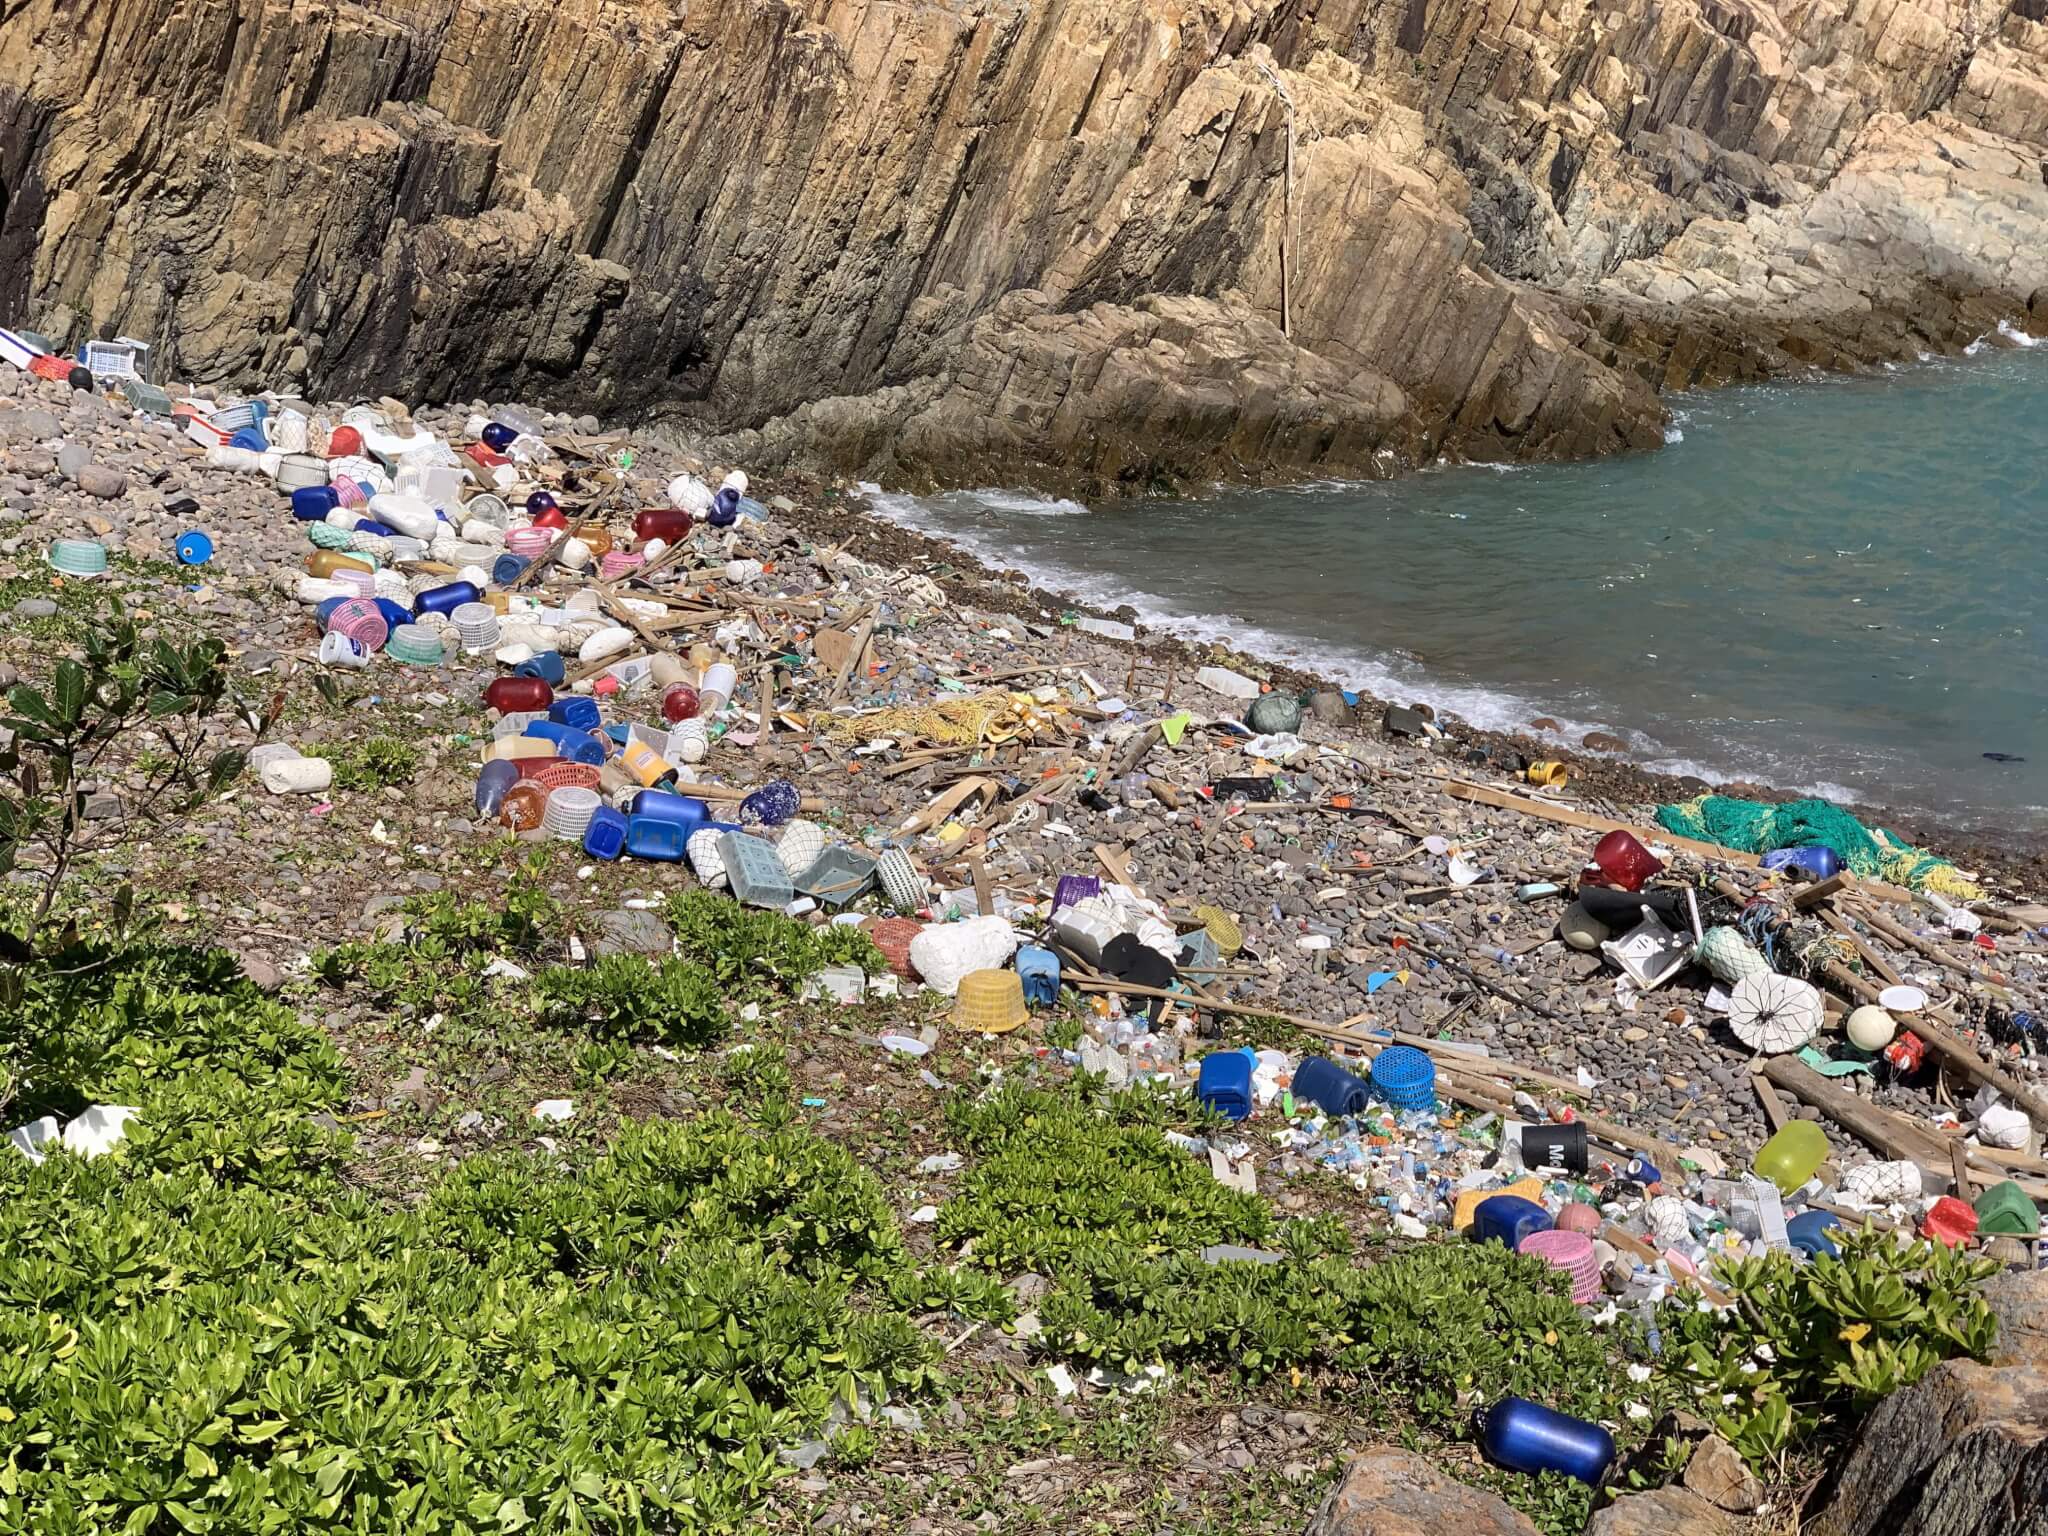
pixel 753 953
pixel 623 997
pixel 1815 1345
pixel 380 762
pixel 207 1331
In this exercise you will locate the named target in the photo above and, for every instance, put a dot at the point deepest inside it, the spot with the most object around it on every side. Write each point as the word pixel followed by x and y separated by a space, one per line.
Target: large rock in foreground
pixel 1388 1492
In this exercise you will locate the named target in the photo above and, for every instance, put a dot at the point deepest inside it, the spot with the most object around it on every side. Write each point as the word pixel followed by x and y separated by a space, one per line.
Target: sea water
pixel 1830 585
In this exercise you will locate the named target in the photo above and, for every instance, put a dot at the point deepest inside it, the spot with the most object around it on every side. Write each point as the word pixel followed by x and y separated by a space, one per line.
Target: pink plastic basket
pixel 359 619
pixel 1571 1252
pixel 349 493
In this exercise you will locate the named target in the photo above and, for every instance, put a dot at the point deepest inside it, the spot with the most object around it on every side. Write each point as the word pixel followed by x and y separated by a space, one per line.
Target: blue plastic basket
pixel 1405 1077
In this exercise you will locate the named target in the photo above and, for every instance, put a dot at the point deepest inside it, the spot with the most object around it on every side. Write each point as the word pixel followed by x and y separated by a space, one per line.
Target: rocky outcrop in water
pixel 1123 244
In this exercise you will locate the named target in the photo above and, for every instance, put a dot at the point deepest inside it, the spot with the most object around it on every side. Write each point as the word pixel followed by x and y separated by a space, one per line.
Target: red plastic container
pixel 1949 1221
pixel 1621 861
pixel 679 703
pixel 509 695
pixel 664 523
pixel 550 517
pixel 344 442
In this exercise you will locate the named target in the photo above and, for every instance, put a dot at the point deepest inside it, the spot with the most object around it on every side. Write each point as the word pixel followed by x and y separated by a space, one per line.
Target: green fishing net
pixel 1755 827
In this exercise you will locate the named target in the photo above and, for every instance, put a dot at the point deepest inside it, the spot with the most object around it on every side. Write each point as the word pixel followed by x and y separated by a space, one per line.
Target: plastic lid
pixel 194 548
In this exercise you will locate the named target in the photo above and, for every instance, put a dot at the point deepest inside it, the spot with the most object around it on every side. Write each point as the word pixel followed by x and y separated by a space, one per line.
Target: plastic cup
pixel 339 650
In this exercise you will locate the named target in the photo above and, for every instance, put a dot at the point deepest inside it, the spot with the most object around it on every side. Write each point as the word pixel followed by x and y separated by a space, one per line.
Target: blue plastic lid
pixel 194 548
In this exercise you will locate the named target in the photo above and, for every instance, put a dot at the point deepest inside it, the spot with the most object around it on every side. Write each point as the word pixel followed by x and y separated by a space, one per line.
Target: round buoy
pixel 1871 1029
pixel 1582 930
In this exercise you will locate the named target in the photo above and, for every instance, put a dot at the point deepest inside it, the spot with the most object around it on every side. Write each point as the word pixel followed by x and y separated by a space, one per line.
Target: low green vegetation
pixel 380 762
pixel 1812 1347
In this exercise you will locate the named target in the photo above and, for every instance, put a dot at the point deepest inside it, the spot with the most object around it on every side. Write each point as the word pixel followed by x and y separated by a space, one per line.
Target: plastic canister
pixel 652 837
pixel 1793 1155
pixel 1225 1083
pixel 445 600
pixel 408 514
pixel 1554 1148
pixel 2005 1208
pixel 338 650
pixel 719 681
pixel 576 710
pixel 686 811
pixel 645 764
pixel 1808 1232
pixel 548 666
pixel 565 740
pixel 508 695
pixel 314 502
pixel 1527 1437
pixel 1328 1086
pixel 605 837
pixel 664 523
pixel 1506 1219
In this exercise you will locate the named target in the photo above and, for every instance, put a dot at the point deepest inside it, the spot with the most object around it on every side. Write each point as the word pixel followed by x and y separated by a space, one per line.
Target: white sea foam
pixel 2016 336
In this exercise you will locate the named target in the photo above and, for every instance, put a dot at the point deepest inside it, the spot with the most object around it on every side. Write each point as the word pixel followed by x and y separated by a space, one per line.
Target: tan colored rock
pixel 1718 1474
pixel 1389 1492
pixel 1672 1511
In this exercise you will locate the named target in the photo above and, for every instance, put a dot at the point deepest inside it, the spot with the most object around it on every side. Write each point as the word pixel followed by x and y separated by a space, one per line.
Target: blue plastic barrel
pixel 1225 1083
pixel 545 665
pixel 686 812
pixel 1527 1437
pixel 1508 1219
pixel 445 600
pixel 313 502
pixel 605 837
pixel 649 837
pixel 1328 1086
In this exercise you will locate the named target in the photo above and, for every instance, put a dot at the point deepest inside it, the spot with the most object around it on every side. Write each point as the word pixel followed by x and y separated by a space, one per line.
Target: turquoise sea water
pixel 1832 585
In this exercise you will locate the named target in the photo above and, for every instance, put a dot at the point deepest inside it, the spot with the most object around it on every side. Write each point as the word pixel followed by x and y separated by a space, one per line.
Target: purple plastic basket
pixel 1073 889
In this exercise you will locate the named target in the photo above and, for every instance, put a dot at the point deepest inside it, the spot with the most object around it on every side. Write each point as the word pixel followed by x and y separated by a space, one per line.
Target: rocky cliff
pixel 1116 242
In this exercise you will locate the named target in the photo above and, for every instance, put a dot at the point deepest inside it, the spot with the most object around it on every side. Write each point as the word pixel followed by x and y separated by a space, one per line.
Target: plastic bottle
pixel 492 782
pixel 325 562
pixel 445 600
pixel 509 694
pixel 1792 1156
pixel 664 523
pixel 1528 1437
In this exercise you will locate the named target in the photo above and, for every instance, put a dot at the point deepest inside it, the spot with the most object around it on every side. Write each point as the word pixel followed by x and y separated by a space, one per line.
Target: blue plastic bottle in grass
pixel 1527 1437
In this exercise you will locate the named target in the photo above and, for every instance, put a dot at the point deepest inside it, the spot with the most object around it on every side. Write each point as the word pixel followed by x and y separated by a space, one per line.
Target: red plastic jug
pixel 665 523
pixel 509 695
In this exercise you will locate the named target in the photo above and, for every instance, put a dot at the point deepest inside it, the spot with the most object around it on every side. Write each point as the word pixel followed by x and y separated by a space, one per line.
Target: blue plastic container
pixel 545 665
pixel 395 613
pixel 1225 1083
pixel 605 837
pixel 1508 1219
pixel 1039 970
pixel 1809 1233
pixel 1405 1077
pixel 575 710
pixel 382 530
pixel 1527 1437
pixel 686 812
pixel 508 568
pixel 327 606
pixel 194 548
pixel 1329 1087
pixel 1817 859
pixel 577 746
pixel 445 600
pixel 250 439
pixel 497 436
pixel 312 502
pixel 725 508
pixel 498 775
pixel 649 837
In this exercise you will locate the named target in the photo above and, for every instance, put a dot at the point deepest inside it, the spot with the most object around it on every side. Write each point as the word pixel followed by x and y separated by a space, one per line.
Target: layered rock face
pixel 1114 243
